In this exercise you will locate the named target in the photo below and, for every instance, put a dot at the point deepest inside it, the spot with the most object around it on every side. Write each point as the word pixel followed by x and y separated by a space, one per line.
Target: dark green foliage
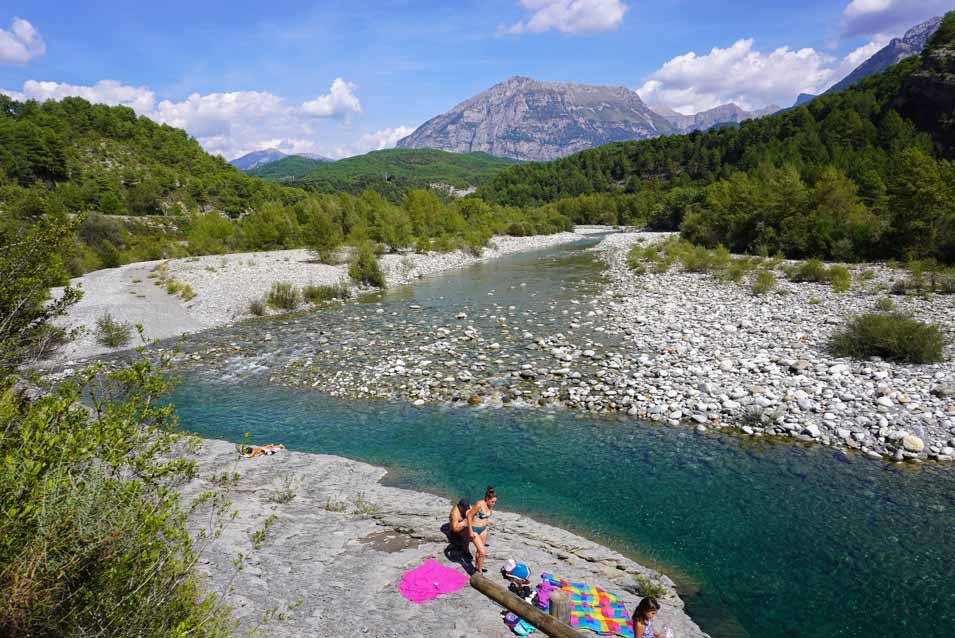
pixel 892 336
pixel 393 172
pixel 94 538
pixel 847 177
pixel 287 168
pixel 30 264
pixel 110 332
pixel 364 268
pixel 944 36
pixel 284 296
pixel 108 159
pixel 318 294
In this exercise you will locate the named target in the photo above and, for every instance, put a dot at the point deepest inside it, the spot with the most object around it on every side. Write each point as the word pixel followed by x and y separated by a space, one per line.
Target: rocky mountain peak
pixel 529 119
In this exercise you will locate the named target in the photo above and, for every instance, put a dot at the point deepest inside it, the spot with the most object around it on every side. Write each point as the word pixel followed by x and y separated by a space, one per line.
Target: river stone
pixel 813 431
pixel 912 443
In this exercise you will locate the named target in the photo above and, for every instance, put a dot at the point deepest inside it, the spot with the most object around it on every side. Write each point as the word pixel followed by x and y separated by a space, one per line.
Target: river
pixel 764 539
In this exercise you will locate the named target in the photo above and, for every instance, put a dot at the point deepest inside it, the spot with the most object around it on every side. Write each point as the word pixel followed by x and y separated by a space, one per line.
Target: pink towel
pixel 429 581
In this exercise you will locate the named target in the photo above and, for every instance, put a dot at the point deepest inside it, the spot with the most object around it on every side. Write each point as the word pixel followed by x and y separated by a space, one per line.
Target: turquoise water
pixel 765 540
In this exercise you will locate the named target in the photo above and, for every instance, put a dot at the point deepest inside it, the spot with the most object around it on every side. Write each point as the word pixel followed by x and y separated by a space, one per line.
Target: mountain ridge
pixel 911 43
pixel 528 119
pixel 729 113
pixel 264 157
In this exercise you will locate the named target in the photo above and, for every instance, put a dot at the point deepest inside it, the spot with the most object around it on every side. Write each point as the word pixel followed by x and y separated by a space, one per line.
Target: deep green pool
pixel 766 540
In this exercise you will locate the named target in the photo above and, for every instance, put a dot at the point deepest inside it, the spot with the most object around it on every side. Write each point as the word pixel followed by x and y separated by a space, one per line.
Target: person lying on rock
pixel 262 450
pixel 479 519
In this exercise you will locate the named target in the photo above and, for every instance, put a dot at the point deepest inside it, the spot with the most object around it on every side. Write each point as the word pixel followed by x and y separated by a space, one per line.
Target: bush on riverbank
pixel 257 307
pixel 284 296
pixel 110 332
pixel 891 336
pixel 763 282
pixel 364 268
pixel 815 271
pixel 318 294
pixel 94 539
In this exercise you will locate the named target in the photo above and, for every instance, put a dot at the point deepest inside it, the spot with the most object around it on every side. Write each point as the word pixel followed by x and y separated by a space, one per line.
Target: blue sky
pixel 338 78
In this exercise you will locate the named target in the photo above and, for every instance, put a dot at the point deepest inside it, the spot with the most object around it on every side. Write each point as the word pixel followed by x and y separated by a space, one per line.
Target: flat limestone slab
pixel 345 566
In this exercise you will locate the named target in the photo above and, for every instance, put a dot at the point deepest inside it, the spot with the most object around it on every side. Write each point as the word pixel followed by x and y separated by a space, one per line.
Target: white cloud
pixel 21 43
pixel 385 138
pixel 752 79
pixel 866 17
pixel 569 16
pixel 228 124
pixel 111 92
pixel 340 102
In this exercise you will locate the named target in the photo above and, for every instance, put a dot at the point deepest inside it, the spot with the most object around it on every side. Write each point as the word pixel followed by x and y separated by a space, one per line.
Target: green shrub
pixel 815 301
pixel 763 282
pixel 812 270
pixel 257 307
pixel 112 333
pixel 318 294
pixel 892 336
pixel 284 296
pixel 186 292
pixel 335 506
pixel 696 259
pixel 840 278
pixel 364 268
pixel 95 539
pixel 364 507
pixel 651 587
pixel 885 304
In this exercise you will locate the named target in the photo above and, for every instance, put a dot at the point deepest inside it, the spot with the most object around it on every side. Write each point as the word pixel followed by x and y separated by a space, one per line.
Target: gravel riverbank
pixel 681 348
pixel 225 285
pixel 340 542
pixel 712 353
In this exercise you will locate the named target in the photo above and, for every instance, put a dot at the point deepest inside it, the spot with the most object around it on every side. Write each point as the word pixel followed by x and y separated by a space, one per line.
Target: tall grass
pixel 284 296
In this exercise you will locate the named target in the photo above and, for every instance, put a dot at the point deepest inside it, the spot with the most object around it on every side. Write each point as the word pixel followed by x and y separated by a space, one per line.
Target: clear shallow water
pixel 765 539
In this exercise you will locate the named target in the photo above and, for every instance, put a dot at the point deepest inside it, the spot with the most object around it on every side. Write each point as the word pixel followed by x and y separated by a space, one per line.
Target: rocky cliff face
pixel 912 43
pixel 717 116
pixel 530 120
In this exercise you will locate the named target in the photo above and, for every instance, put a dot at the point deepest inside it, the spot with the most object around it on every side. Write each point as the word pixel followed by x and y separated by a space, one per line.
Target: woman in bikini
pixel 479 519
pixel 262 450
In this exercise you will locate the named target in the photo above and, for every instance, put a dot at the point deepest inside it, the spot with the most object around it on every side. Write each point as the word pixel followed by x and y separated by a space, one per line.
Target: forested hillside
pixel 394 172
pixel 286 168
pixel 75 156
pixel 145 191
pixel 847 176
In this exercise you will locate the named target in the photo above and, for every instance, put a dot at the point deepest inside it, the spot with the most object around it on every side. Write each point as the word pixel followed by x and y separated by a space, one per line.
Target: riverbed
pixel 763 538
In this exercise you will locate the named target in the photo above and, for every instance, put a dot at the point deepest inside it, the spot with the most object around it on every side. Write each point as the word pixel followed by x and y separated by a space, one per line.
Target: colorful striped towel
pixel 594 609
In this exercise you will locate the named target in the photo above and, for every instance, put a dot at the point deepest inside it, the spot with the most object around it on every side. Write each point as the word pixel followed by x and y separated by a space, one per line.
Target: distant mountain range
pixel 256 159
pixel 526 119
pixel 718 116
pixel 912 43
